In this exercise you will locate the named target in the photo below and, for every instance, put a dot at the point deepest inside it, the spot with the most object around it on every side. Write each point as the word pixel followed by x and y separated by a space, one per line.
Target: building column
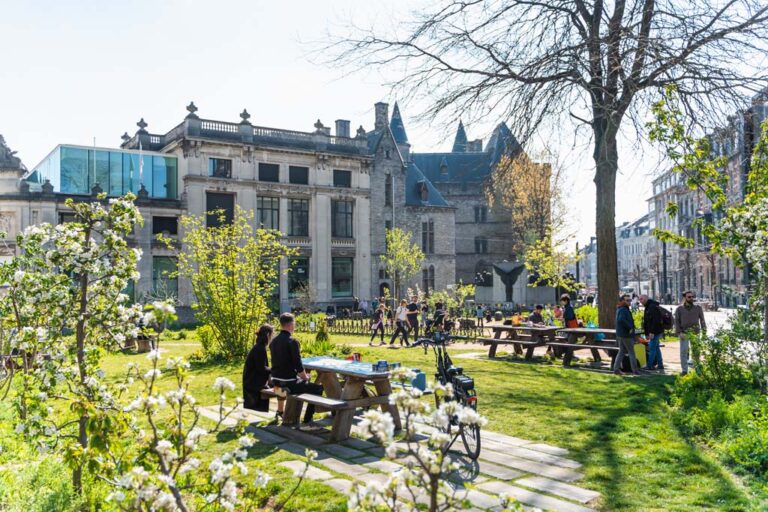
pixel 320 263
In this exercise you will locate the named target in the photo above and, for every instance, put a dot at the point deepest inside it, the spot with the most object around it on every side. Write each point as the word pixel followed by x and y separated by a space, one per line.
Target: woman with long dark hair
pixel 256 372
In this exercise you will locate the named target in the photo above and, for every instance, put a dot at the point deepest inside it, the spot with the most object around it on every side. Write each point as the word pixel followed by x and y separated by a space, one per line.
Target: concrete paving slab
pixel 263 436
pixel 359 444
pixel 546 458
pixel 546 448
pixel 384 466
pixel 313 472
pixel 342 451
pixel 304 438
pixel 532 498
pixel 531 466
pixel 567 491
pixel 340 485
pixel 356 471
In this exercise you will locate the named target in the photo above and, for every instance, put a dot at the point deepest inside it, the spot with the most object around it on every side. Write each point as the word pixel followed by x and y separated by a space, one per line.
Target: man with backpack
pixel 656 320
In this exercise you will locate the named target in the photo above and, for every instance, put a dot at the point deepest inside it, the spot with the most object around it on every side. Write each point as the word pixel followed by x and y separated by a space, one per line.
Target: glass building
pixel 77 169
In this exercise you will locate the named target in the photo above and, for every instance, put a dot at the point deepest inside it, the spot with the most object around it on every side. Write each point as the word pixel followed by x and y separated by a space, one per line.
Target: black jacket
pixel 652 321
pixel 255 378
pixel 286 356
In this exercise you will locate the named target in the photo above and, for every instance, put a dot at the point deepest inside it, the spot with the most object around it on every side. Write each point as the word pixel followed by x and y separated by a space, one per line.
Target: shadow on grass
pixel 619 428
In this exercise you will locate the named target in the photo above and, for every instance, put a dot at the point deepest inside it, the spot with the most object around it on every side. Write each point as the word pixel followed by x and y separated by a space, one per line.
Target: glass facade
pixel 76 170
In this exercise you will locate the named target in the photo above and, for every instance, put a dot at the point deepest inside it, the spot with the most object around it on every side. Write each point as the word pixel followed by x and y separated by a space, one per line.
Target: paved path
pixel 539 476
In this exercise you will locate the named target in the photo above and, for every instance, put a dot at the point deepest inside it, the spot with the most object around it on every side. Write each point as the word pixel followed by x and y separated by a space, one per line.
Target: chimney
pixel 382 115
pixel 342 128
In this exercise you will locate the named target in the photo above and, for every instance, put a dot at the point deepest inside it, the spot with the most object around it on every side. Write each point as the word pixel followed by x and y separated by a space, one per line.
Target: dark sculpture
pixel 8 160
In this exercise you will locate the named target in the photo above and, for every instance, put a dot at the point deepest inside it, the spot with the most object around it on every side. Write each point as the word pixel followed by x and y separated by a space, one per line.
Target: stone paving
pixel 539 476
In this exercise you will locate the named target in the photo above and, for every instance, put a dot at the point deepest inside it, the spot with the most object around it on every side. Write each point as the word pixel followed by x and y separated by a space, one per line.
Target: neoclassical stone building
pixel 332 195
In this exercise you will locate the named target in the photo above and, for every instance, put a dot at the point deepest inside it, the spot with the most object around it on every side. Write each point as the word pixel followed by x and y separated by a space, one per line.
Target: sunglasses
pixel 690 297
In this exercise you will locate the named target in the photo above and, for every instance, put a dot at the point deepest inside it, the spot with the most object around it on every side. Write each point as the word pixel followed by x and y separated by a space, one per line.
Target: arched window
pixel 428 278
pixel 428 237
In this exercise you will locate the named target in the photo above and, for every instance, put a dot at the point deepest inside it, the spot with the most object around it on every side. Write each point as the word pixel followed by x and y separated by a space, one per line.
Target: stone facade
pixel 438 197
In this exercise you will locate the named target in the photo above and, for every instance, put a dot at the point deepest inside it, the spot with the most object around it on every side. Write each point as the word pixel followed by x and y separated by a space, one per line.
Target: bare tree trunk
pixel 82 437
pixel 606 160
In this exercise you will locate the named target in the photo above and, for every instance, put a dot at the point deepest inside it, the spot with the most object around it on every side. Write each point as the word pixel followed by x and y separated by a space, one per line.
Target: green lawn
pixel 618 428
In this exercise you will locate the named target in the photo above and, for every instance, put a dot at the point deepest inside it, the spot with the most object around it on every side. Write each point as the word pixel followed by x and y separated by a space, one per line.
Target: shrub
pixel 587 314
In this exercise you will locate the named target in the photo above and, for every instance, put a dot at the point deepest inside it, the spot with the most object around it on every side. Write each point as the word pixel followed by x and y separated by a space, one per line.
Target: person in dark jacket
pixel 287 370
pixel 256 373
pixel 569 315
pixel 536 316
pixel 625 336
pixel 653 327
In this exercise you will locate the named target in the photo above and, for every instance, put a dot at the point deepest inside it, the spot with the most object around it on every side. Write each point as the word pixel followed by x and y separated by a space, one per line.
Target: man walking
pixel 689 320
pixel 287 369
pixel 413 317
pixel 653 327
pixel 625 336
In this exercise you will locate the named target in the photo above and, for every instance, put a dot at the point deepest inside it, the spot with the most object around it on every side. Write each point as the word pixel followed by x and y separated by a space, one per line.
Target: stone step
pixel 532 498
pixel 531 466
pixel 313 472
pixel 567 491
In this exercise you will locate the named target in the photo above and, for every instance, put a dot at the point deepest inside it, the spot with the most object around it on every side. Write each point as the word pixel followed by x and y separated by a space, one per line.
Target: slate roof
pixel 414 180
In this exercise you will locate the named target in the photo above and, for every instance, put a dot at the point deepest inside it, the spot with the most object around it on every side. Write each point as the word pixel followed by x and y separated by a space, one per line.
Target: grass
pixel 620 429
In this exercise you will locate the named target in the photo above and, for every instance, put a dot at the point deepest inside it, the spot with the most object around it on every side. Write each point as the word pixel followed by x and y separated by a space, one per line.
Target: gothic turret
pixel 460 142
pixel 398 132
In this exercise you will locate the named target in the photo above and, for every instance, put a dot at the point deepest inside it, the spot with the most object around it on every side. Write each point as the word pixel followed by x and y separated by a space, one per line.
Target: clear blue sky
pixel 75 70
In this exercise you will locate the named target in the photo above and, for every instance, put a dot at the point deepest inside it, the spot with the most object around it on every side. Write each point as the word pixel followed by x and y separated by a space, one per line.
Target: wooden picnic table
pixel 520 335
pixel 607 342
pixel 345 381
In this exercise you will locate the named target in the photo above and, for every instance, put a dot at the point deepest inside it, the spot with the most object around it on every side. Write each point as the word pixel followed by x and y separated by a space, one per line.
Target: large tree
pixel 592 62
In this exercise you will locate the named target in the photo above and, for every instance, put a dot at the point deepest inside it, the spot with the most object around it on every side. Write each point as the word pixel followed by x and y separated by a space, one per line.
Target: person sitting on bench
pixel 256 373
pixel 287 370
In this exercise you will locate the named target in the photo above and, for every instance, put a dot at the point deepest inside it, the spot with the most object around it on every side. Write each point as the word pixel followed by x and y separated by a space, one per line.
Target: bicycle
pixel 463 391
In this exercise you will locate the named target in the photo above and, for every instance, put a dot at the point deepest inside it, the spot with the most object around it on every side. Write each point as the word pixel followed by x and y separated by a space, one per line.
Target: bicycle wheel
pixel 470 436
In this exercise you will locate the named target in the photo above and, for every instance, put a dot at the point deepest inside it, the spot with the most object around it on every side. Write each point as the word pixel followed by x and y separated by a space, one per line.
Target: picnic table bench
pixel 344 384
pixel 520 336
pixel 596 339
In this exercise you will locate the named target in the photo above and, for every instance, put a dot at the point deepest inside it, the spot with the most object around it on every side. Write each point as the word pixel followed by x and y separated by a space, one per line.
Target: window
pixel 428 237
pixel 298 217
pixel 220 209
pixel 298 277
pixel 220 167
pixel 342 178
pixel 268 212
pixel 428 278
pixel 168 225
pixel 65 217
pixel 481 245
pixel 269 172
pixel 481 214
pixel 341 219
pixel 164 280
pixel 341 277
pixel 388 190
pixel 298 175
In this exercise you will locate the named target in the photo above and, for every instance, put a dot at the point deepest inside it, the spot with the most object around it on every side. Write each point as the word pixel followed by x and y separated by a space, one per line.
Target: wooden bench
pixel 343 411
pixel 518 343
pixel 570 348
